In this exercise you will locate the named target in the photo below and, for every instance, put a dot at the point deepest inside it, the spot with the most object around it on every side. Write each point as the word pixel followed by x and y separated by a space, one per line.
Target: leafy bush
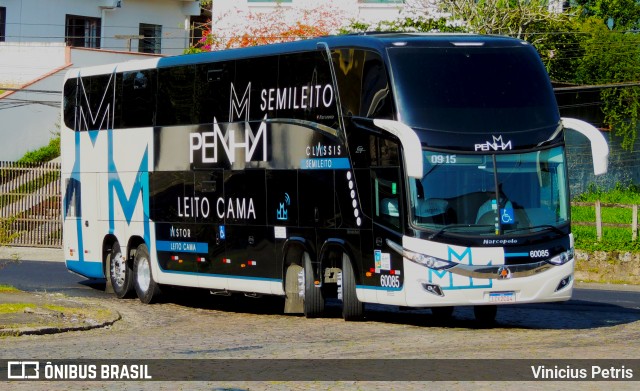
pixel 43 154
pixel 620 194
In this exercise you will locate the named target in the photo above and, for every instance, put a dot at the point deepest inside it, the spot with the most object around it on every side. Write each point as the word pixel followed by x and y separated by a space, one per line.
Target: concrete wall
pixel 23 62
pixel 624 166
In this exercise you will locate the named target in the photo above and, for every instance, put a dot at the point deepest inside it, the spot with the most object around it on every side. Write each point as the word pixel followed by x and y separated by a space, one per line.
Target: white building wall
pixel 23 62
pixel 43 21
pixel 170 14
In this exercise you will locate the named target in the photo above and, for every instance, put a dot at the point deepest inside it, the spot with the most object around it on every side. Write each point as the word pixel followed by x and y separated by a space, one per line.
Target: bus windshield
pixel 491 194
pixel 472 89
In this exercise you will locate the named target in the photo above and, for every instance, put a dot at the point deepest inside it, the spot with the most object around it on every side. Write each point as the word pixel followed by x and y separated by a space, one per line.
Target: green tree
pixel 619 14
pixel 613 57
pixel 415 24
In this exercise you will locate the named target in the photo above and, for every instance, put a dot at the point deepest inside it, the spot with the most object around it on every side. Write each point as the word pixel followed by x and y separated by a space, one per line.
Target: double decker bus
pixel 412 170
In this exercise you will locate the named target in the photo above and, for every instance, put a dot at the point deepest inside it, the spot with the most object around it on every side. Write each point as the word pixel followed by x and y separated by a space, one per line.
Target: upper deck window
pixel 472 89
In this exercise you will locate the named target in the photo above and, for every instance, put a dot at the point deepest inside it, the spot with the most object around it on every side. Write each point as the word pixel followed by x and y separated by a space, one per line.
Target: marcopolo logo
pixel 497 145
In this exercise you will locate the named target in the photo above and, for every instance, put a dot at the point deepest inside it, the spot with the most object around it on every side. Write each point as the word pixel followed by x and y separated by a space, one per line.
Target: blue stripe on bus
pixel 182 247
pixel 325 163
pixel 86 268
pixel 511 255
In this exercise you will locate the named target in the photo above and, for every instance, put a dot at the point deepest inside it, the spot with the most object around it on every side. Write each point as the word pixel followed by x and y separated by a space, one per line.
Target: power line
pixel 30 90
pixel 597 86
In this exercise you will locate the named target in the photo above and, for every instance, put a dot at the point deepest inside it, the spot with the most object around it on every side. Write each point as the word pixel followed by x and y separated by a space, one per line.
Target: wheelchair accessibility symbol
pixel 507 216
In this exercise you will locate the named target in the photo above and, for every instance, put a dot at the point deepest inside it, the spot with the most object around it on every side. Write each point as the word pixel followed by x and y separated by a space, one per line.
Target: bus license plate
pixel 502 297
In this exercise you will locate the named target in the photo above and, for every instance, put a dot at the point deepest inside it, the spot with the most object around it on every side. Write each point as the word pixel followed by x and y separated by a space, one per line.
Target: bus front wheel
pixel 146 288
pixel 485 314
pixel 352 308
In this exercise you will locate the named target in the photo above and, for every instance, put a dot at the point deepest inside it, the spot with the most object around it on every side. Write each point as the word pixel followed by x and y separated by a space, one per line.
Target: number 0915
pixel 443 159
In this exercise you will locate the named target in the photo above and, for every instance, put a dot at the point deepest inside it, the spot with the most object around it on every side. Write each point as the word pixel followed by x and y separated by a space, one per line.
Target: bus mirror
pixel 410 144
pixel 599 146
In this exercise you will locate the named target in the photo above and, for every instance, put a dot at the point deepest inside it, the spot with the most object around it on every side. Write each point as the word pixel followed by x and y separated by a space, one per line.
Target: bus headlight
pixel 421 259
pixel 428 261
pixel 561 258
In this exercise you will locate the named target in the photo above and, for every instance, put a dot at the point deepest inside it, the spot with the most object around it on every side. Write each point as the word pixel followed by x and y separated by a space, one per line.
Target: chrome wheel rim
pixel 118 269
pixel 143 274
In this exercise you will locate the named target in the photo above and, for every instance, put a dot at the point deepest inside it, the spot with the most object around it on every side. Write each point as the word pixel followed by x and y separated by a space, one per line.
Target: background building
pixel 41 39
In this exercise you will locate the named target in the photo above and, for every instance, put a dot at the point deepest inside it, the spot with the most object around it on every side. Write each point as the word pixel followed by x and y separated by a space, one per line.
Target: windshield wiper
pixel 451 226
pixel 542 226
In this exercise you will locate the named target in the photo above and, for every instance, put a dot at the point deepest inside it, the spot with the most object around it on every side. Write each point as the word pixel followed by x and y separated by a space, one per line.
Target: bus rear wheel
pixel 120 272
pixel 352 308
pixel 146 288
pixel 313 298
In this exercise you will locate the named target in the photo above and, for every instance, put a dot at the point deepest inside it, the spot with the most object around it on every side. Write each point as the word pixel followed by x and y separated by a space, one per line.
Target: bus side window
pixel 94 102
pixel 69 102
pixel 138 103
pixel 386 195
pixel 376 94
pixel 176 89
pixel 348 65
pixel 72 198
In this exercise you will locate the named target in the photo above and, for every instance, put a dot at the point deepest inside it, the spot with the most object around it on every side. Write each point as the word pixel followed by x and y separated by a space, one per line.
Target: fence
pixel 599 224
pixel 30 204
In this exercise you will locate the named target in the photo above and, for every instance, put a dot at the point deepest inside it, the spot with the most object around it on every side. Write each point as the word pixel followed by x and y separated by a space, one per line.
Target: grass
pixel 15 316
pixel 613 238
pixel 8 289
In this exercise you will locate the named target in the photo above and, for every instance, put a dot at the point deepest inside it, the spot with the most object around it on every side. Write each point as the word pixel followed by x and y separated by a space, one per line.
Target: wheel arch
pixel 132 246
pixel 292 252
pixel 340 245
pixel 107 245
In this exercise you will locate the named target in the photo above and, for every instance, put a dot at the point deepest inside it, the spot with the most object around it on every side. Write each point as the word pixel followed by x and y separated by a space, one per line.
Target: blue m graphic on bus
pixel 450 281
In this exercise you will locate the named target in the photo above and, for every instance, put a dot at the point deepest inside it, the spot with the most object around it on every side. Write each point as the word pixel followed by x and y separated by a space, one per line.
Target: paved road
pixel 597 324
pixel 54 277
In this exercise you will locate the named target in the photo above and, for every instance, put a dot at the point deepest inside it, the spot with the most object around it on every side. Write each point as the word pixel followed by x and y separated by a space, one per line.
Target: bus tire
pixel 485 314
pixel 293 301
pixel 120 272
pixel 352 308
pixel 146 288
pixel 313 298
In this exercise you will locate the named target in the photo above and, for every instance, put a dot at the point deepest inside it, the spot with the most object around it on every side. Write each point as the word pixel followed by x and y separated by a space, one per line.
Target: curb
pixel 56 330
pixel 34 314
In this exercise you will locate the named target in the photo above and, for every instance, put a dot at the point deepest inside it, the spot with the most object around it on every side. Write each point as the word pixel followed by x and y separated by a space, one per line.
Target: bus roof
pixel 373 41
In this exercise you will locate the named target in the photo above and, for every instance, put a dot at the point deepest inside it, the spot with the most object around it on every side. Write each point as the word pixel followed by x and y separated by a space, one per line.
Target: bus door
pixel 385 266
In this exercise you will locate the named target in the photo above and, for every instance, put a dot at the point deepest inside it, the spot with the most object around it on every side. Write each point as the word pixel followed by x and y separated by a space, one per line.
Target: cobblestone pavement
pixel 194 326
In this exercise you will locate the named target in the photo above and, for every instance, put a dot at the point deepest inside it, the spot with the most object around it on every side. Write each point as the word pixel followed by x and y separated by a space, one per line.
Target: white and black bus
pixel 403 169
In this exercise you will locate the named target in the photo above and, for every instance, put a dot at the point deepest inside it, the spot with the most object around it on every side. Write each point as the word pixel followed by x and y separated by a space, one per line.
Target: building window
pixel 151 43
pixel 3 22
pixel 82 31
